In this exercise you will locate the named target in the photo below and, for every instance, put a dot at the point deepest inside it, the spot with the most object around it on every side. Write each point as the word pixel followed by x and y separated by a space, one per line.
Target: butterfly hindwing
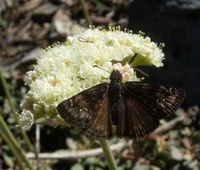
pixel 136 122
pixel 101 127
pixel 145 104
pixel 89 111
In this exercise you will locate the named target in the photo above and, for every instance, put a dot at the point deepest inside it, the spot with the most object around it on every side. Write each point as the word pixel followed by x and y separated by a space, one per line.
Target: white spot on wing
pixel 71 102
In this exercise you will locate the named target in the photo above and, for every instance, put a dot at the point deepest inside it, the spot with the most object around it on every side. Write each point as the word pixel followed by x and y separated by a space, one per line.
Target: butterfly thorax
pixel 115 92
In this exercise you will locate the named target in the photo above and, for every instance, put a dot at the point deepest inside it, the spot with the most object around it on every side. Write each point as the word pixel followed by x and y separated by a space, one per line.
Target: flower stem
pixel 108 154
pixel 86 13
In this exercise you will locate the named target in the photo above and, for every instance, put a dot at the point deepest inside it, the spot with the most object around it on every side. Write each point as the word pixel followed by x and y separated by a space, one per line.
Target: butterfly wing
pixel 144 105
pixel 89 110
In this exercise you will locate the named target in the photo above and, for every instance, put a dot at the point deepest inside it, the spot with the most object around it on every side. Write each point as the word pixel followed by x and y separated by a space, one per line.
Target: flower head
pixel 26 119
pixel 67 69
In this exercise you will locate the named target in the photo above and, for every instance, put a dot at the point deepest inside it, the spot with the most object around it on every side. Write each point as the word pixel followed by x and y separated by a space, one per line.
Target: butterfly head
pixel 115 76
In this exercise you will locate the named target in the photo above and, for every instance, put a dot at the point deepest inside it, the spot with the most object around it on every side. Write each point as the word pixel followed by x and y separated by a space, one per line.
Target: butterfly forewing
pixel 89 110
pixel 145 104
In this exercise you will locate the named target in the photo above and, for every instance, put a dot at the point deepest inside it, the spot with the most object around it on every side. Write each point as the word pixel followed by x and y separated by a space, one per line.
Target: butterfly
pixel 128 110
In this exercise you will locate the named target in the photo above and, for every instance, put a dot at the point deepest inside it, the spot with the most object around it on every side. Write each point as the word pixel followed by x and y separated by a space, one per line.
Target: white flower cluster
pixel 65 70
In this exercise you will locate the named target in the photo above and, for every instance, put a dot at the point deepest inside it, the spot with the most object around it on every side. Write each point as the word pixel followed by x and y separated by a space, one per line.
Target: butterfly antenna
pixel 101 68
pixel 137 69
pixel 142 72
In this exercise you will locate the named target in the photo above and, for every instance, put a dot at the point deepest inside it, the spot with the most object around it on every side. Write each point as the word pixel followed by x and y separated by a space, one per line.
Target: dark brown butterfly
pixel 130 110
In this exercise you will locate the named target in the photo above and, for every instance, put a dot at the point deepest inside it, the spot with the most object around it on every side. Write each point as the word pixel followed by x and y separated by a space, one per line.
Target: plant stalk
pixel 108 154
pixel 86 13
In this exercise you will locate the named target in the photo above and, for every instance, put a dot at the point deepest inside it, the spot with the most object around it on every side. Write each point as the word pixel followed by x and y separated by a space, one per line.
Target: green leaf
pixel 77 166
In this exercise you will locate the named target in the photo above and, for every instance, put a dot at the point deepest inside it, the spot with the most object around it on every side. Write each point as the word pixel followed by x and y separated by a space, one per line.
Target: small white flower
pixel 26 119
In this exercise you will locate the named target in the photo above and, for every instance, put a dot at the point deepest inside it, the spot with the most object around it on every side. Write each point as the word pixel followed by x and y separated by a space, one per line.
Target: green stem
pixel 23 133
pixel 14 146
pixel 86 13
pixel 108 154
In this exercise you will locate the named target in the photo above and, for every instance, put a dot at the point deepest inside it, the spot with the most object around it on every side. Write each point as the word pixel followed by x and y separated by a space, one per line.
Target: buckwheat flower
pixel 126 72
pixel 66 69
pixel 26 119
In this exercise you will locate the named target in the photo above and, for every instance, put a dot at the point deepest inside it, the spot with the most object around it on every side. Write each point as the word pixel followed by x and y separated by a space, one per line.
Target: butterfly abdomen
pixel 115 93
